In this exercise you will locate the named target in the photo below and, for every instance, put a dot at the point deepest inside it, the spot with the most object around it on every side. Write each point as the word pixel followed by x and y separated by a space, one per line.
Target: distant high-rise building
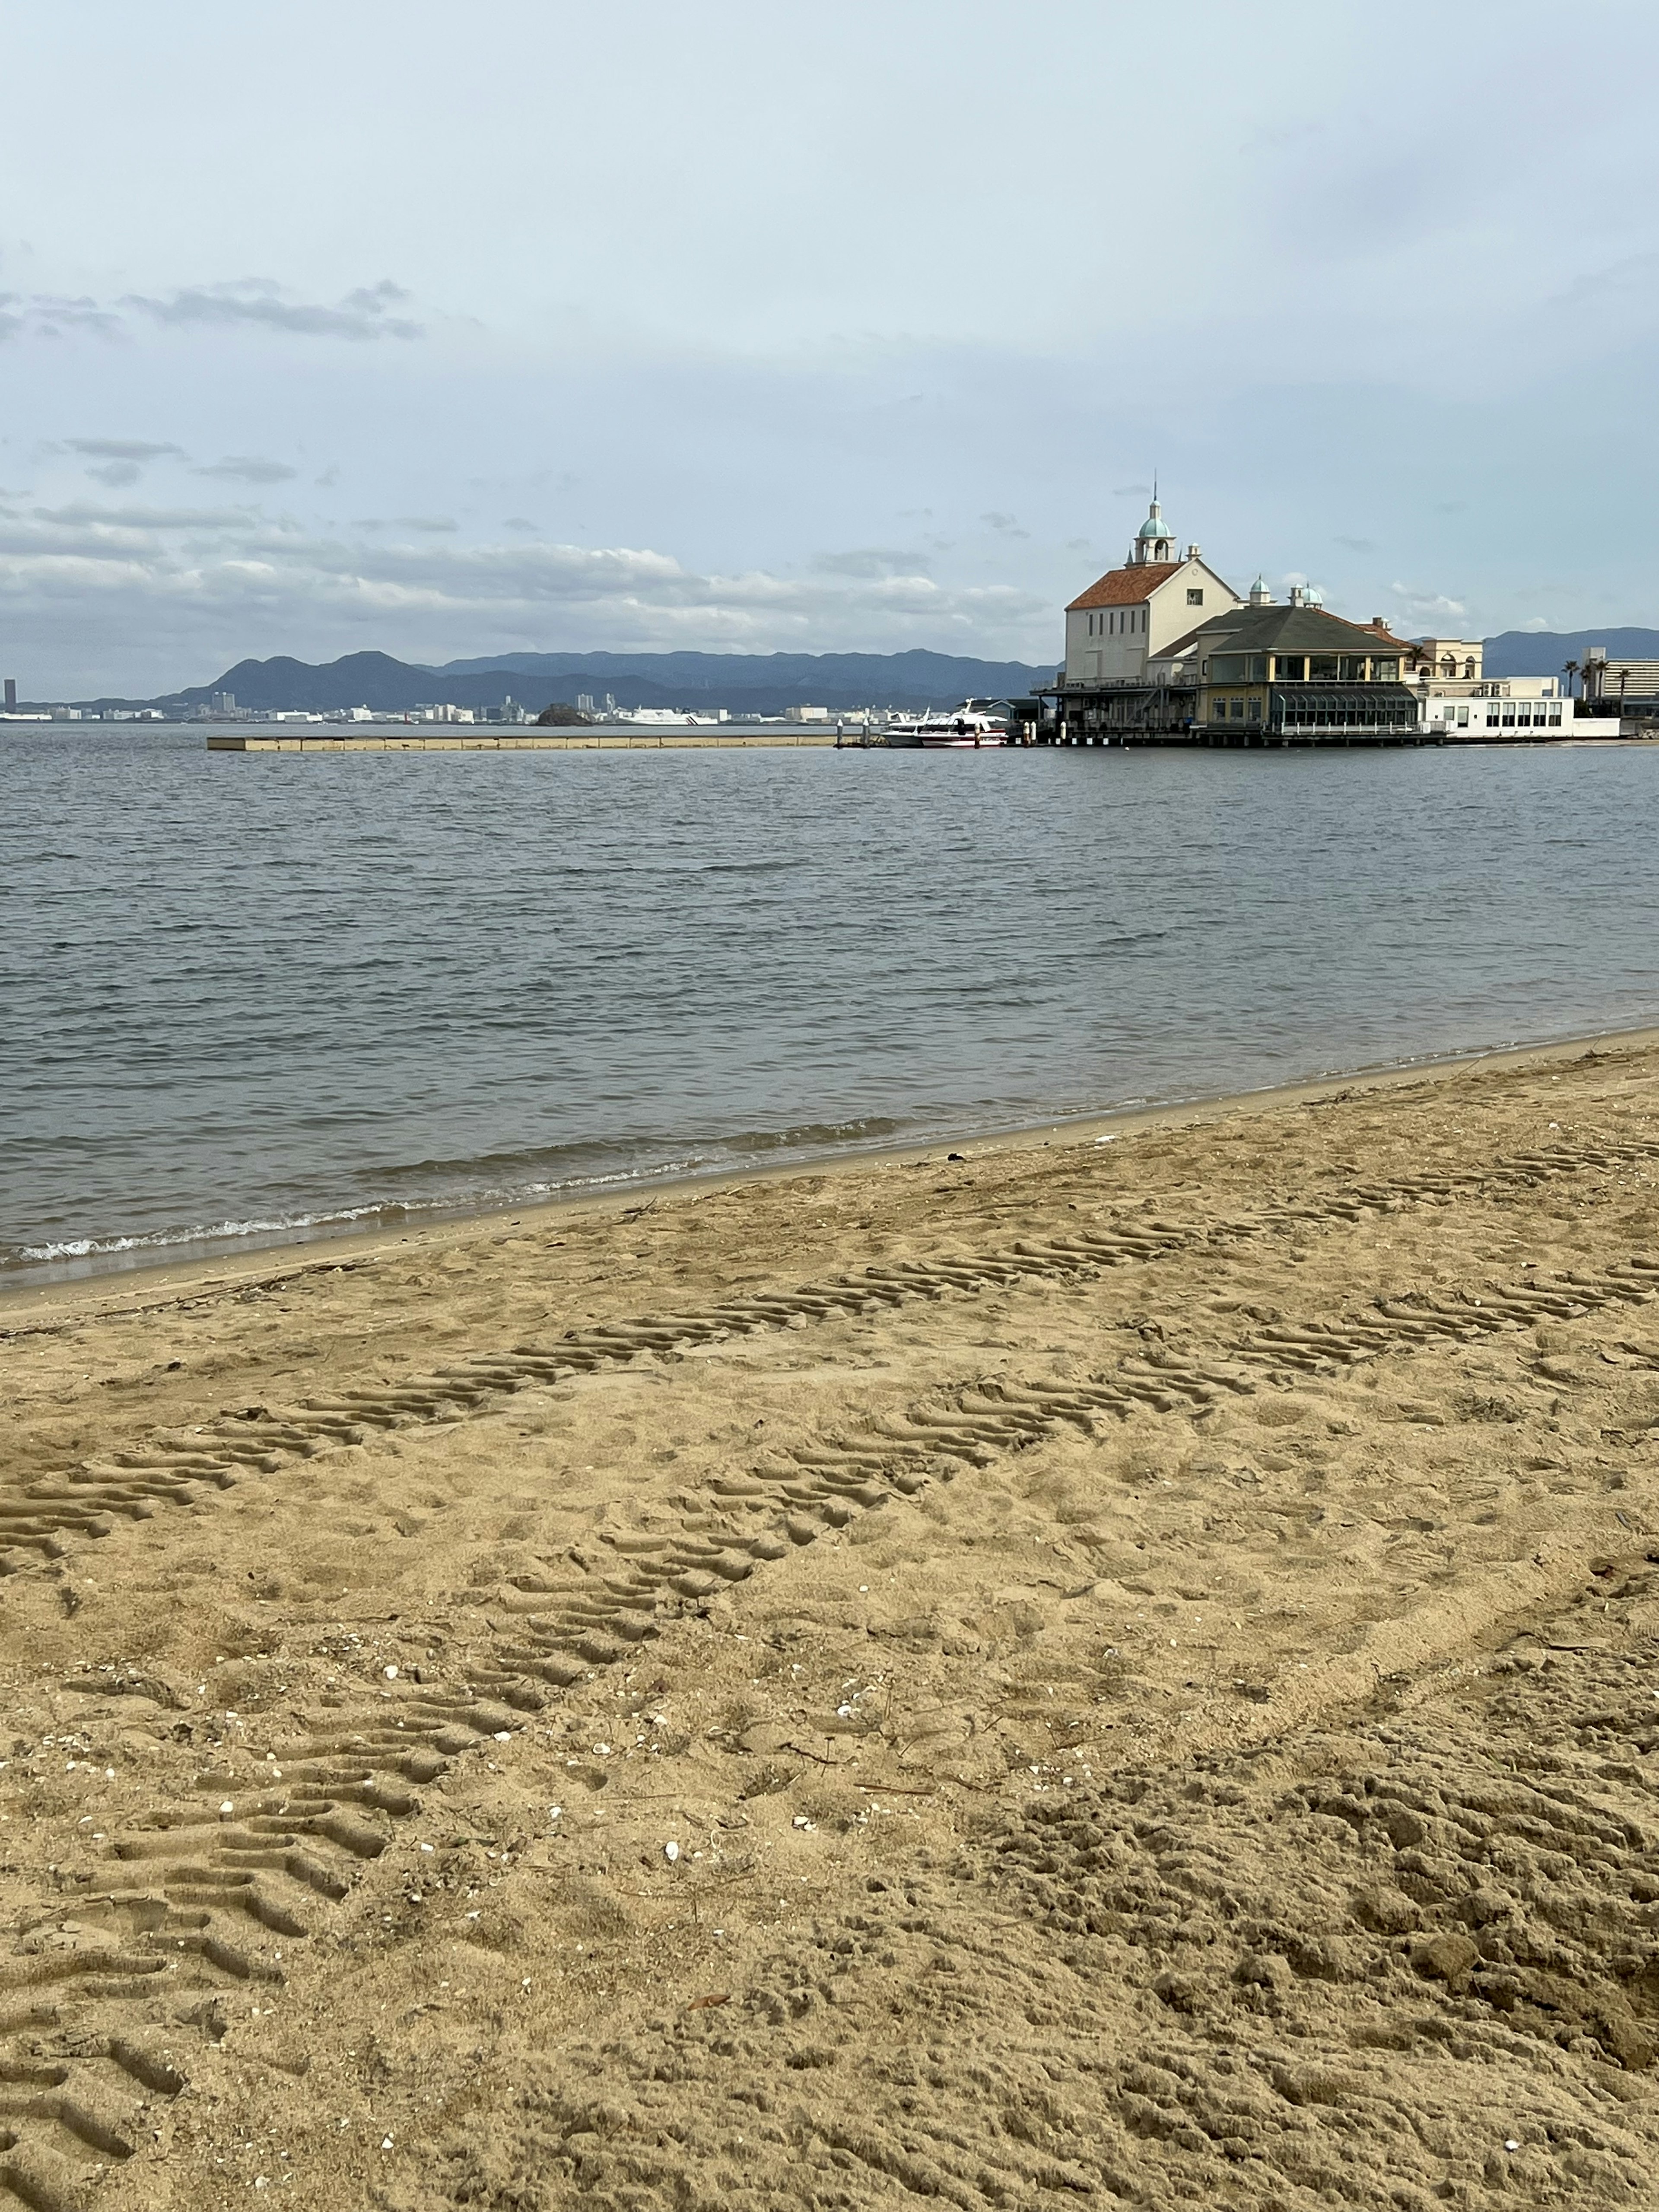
pixel 223 702
pixel 584 701
pixel 11 693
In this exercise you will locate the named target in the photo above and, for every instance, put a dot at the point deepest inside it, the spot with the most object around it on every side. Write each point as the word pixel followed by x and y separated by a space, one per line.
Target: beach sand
pixel 1111 1671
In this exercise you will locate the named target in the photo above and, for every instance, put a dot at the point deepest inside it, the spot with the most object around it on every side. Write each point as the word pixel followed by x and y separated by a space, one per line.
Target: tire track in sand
pixel 194 1902
pixel 42 1517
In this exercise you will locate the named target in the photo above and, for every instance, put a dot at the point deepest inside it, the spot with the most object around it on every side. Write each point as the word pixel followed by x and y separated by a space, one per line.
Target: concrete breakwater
pixel 475 741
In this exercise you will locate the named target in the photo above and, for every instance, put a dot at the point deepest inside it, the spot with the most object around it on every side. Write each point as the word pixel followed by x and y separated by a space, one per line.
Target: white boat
pixel 973 725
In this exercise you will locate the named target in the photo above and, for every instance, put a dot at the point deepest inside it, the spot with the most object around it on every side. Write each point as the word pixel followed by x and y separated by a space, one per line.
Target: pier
pixel 486 740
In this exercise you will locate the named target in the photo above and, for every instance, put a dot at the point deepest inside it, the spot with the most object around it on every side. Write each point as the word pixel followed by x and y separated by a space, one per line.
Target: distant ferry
pixel 975 723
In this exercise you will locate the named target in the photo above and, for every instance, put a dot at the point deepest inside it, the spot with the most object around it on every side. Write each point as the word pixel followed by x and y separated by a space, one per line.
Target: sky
pixel 534 325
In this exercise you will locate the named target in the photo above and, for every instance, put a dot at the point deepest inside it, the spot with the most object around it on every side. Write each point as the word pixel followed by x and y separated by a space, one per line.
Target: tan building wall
pixel 1449 660
pixel 1112 644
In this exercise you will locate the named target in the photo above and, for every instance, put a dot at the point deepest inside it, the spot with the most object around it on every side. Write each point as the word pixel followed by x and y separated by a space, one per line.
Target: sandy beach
pixel 1118 1666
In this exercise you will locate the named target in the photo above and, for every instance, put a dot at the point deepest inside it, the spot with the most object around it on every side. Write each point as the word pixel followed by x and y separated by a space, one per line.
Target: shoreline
pixel 264 1258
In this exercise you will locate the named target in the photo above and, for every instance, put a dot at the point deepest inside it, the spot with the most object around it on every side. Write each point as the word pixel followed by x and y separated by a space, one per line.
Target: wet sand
pixel 1112 1670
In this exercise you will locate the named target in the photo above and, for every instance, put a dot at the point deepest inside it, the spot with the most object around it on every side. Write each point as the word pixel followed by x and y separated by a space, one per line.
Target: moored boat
pixel 973 725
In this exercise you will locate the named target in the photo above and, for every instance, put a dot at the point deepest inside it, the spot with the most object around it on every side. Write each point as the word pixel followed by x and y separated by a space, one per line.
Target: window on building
pixel 1196 599
pixel 1351 668
pixel 1238 710
pixel 1255 713
pixel 1385 671
pixel 1291 668
pixel 1218 710
pixel 1322 668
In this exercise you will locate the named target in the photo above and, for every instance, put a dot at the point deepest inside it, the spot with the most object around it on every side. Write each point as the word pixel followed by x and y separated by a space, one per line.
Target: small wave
pixel 599 1160
pixel 436 1189
pixel 161 1240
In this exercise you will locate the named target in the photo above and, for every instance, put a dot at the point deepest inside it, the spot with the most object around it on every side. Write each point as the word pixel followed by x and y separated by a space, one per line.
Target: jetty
pixel 469 738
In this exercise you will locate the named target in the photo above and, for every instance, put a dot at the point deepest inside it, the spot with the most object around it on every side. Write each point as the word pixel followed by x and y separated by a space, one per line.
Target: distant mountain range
pixel 1547 653
pixel 743 683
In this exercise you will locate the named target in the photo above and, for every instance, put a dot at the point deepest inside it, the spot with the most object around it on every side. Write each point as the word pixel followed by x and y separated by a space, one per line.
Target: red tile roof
pixel 1125 587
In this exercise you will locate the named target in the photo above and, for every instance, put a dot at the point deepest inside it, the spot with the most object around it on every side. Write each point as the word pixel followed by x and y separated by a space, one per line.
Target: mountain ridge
pixel 754 683
pixel 1547 653
pixel 744 683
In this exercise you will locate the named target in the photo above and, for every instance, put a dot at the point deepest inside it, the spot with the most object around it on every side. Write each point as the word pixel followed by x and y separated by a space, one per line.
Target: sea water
pixel 243 997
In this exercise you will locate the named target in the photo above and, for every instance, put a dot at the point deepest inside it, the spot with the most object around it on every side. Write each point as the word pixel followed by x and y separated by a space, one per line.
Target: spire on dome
pixel 1154 540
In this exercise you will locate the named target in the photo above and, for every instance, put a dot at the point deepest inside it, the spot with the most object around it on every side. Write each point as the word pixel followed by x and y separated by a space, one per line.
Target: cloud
pixel 248 468
pixel 183 586
pixel 871 561
pixel 1426 606
pixel 520 522
pixel 257 303
pixel 122 449
pixel 42 316
pixel 118 462
pixel 368 313
pixel 1357 545
pixel 83 516
pixel 1629 282
pixel 423 522
pixel 1537 622
pixel 1006 525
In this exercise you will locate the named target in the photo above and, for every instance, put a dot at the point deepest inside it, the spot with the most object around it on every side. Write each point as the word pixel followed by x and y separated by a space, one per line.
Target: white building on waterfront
pixel 1133 613
pixel 1515 707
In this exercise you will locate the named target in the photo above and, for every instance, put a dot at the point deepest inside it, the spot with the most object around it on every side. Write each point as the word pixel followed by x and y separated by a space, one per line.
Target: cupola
pixel 1154 540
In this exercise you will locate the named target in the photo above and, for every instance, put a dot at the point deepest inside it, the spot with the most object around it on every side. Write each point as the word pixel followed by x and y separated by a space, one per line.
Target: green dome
pixel 1155 526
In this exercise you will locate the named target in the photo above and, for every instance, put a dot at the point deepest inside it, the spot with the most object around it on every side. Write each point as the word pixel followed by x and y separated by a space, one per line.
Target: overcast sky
pixel 528 324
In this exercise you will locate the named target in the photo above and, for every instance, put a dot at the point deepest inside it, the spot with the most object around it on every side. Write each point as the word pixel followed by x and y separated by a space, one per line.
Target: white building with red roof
pixel 1134 612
